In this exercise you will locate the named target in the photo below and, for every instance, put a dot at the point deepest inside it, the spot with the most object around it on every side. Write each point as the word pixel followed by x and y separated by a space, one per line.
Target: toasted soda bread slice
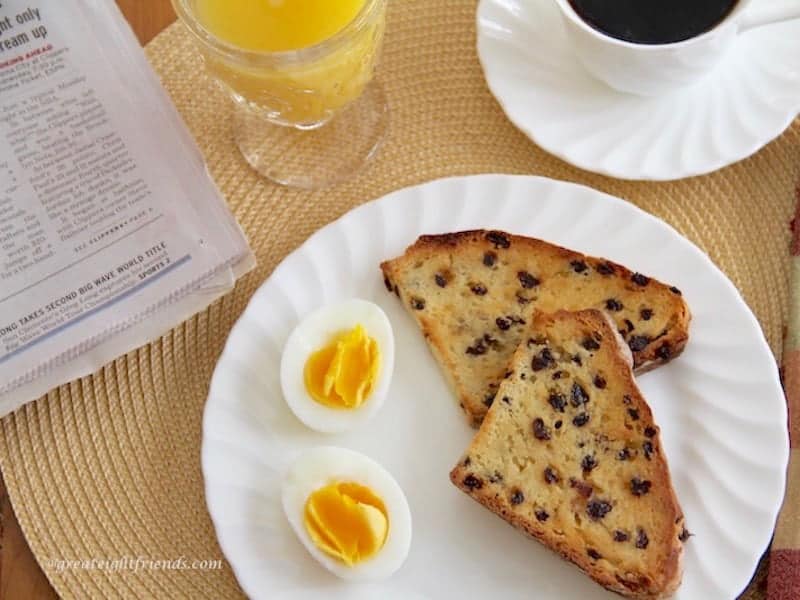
pixel 569 454
pixel 473 292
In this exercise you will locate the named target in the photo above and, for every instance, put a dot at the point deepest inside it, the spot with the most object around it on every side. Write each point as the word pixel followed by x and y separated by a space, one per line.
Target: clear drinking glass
pixel 309 117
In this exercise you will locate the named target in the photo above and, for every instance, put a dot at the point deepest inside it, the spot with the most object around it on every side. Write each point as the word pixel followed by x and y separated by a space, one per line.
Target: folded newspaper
pixel 111 230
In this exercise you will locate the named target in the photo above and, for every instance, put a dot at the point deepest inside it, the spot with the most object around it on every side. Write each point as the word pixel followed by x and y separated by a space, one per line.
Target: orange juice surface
pixel 308 89
pixel 276 25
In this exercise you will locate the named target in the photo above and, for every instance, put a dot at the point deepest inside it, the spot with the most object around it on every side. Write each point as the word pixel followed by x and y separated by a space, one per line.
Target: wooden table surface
pixel 21 578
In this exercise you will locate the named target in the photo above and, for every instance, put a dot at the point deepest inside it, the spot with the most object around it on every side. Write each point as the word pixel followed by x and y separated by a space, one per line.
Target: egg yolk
pixel 347 521
pixel 343 373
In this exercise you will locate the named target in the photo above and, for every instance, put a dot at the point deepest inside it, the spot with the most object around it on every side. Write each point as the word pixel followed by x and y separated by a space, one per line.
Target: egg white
pixel 316 331
pixel 316 468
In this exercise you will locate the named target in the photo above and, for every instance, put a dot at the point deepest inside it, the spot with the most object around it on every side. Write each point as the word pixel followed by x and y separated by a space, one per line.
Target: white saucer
pixel 745 103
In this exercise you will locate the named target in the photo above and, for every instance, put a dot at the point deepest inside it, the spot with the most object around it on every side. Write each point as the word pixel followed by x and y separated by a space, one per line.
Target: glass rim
pixel 300 55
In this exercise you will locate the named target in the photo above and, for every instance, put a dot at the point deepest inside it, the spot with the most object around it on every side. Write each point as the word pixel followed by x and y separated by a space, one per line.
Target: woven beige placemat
pixel 108 467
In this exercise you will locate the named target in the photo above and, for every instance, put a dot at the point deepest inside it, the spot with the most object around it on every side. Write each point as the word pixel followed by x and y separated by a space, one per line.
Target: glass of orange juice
pixel 307 112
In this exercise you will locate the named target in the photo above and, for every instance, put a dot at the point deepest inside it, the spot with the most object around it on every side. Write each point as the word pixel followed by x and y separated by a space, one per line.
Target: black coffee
pixel 653 21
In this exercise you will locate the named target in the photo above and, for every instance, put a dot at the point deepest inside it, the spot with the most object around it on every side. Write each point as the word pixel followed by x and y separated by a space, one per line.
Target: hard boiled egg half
pixel 348 512
pixel 337 365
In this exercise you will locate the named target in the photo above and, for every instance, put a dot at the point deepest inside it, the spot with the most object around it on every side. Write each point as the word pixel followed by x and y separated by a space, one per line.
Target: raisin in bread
pixel 472 293
pixel 569 454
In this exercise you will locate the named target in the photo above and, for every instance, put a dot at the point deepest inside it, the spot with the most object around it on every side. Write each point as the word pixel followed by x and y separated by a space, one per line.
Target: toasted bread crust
pixel 552 283
pixel 490 478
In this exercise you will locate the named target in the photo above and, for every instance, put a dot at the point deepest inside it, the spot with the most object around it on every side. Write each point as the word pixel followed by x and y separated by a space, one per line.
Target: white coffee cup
pixel 654 69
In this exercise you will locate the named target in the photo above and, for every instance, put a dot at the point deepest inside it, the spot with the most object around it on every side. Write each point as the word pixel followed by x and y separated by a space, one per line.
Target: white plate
pixel 720 406
pixel 746 102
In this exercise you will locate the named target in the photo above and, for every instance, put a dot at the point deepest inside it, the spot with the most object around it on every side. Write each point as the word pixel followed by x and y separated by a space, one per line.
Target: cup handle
pixel 773 12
